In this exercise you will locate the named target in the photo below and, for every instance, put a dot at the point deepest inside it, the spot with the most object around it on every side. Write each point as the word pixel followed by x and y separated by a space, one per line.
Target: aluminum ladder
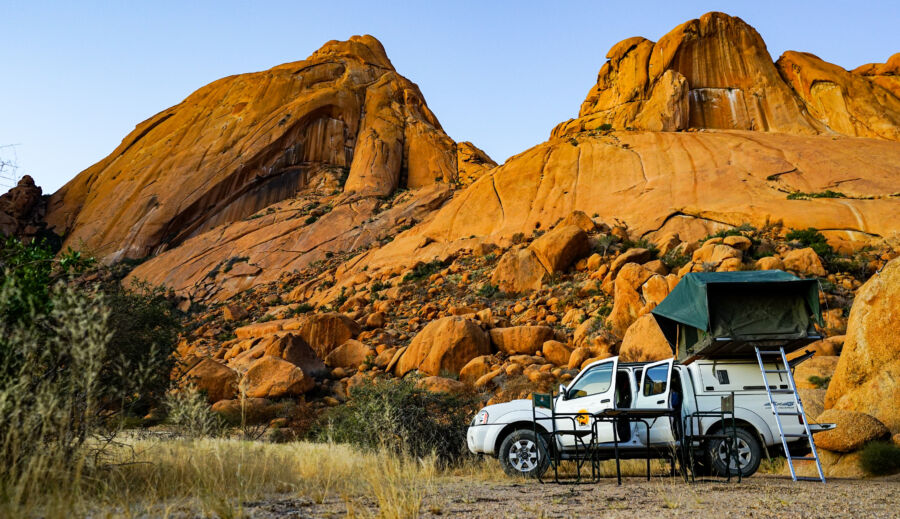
pixel 797 411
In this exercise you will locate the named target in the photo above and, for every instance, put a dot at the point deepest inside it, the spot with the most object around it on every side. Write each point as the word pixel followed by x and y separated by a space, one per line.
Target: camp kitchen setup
pixel 724 401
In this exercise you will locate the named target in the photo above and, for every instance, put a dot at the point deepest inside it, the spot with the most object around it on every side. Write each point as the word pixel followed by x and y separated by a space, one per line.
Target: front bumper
pixel 481 439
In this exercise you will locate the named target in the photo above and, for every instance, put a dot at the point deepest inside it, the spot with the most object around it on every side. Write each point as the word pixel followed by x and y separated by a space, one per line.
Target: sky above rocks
pixel 77 78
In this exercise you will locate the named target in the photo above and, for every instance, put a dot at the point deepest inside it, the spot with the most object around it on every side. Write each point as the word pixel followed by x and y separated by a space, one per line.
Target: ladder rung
pixel 791 435
pixel 804 478
pixel 804 458
pixel 776 371
pixel 787 413
pixel 781 392
pixel 769 352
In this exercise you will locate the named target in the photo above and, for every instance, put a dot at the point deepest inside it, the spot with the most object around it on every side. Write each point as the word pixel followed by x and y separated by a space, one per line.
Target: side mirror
pixel 562 392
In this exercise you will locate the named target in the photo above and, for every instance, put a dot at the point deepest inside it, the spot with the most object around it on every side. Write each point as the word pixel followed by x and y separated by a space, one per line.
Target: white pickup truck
pixel 507 430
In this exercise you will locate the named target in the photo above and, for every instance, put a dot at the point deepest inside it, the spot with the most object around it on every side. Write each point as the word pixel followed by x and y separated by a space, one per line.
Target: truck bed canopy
pixel 726 314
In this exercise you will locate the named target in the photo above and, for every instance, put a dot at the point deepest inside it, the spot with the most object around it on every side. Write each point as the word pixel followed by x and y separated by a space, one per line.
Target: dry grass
pixel 214 477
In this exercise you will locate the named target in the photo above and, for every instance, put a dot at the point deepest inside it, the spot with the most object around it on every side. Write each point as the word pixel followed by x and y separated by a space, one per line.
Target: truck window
pixel 597 380
pixel 655 380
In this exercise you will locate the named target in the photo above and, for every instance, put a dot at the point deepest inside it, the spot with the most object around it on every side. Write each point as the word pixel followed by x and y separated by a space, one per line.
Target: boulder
pixel 271 377
pixel 216 380
pixel 813 402
pixel 518 270
pixel 288 346
pixel 441 385
pixel 250 411
pixel 819 368
pixel 579 219
pixel 741 243
pixel 632 255
pixel 375 320
pixel 325 332
pixel 349 355
pixel 383 358
pixel 865 379
pixel 561 247
pixel 578 356
pixel 627 302
pixel 852 432
pixel 644 342
pixel 804 261
pixel 667 242
pixel 234 312
pixel 769 263
pixel 475 369
pixel 556 352
pixel 520 339
pixel 715 253
pixel 444 346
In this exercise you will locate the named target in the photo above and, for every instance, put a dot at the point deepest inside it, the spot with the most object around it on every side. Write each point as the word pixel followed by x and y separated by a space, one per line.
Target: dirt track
pixel 759 496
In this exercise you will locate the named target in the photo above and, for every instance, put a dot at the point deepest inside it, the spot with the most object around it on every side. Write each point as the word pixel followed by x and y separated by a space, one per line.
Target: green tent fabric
pixel 712 314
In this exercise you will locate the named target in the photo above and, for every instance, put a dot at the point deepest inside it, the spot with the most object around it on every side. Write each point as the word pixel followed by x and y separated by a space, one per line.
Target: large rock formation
pixel 22 210
pixel 868 371
pixel 342 118
pixel 885 75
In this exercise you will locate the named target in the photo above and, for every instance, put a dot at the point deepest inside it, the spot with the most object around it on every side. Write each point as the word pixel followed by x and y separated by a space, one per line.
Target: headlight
pixel 481 418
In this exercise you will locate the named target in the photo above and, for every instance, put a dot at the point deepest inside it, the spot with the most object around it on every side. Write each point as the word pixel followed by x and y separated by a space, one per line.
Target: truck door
pixel 653 393
pixel 591 392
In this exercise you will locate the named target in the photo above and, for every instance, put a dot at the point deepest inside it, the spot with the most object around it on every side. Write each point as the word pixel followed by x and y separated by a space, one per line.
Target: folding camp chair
pixel 550 449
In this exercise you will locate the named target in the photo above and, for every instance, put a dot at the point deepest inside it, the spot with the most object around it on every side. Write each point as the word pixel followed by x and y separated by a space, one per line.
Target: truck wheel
pixel 749 454
pixel 519 454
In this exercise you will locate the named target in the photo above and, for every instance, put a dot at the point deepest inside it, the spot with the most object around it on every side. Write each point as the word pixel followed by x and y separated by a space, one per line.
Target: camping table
pixel 580 456
pixel 641 415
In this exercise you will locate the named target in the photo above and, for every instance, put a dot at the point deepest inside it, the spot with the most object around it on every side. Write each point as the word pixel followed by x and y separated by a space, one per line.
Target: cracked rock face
pixel 245 142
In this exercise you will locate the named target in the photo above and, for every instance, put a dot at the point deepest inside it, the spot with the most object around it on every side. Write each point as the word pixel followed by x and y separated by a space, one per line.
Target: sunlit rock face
pixel 247 141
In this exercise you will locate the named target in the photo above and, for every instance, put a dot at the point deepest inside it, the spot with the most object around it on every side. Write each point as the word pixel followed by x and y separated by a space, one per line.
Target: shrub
pixel 799 195
pixel 880 458
pixel 812 238
pixel 819 382
pixel 605 127
pixel 673 260
pixel 190 414
pixel 488 290
pixel 399 416
pixel 423 270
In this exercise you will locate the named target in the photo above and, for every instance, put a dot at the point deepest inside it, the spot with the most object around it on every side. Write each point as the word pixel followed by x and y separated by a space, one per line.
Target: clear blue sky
pixel 76 77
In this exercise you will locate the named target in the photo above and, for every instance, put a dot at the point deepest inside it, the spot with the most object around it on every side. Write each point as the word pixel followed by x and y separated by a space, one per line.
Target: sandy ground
pixel 759 496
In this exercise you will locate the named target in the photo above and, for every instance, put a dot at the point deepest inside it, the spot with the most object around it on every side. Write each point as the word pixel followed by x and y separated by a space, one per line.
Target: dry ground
pixel 759 496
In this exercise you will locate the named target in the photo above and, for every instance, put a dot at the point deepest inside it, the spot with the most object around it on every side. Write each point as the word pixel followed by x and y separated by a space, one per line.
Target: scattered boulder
pixel 218 381
pixel 251 411
pixel 741 243
pixel 632 255
pixel 234 312
pixel 627 302
pixel 579 219
pixel 865 379
pixel 325 332
pixel 475 369
pixel 348 355
pixel 556 352
pixel 290 347
pixel 271 377
pixel 852 432
pixel 804 261
pixel 644 342
pixel 520 339
pixel 769 263
pixel 444 345
pixel 518 270
pixel 375 320
pixel 561 247
pixel 578 356
pixel 441 385
pixel 715 253
pixel 820 369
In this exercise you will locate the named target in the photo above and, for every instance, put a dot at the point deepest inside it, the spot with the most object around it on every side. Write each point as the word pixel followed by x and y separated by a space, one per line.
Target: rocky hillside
pixel 322 229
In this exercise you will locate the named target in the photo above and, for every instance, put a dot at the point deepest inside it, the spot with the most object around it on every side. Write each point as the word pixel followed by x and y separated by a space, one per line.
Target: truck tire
pixel 749 453
pixel 519 454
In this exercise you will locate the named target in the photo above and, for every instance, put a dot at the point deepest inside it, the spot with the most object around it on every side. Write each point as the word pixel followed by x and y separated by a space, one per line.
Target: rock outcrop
pixel 868 371
pixel 885 75
pixel 444 346
pixel 342 119
pixel 22 210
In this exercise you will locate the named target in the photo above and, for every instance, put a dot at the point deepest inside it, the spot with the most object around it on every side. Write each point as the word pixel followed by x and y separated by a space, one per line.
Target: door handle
pixel 604 401
pixel 660 401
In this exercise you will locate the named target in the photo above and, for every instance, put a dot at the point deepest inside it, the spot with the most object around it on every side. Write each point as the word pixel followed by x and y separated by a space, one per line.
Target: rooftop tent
pixel 726 314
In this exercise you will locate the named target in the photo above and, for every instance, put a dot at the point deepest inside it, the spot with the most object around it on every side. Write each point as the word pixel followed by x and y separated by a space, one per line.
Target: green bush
pixel 423 270
pixel 190 414
pixel 488 290
pixel 674 261
pixel 812 238
pixel 799 195
pixel 880 458
pixel 398 415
